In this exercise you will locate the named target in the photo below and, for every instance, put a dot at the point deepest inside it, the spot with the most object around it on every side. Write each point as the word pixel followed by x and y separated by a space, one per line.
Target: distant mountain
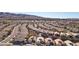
pixel 15 16
pixel 7 15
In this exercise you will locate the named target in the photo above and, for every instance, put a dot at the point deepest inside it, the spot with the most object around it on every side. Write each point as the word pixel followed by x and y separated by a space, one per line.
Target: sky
pixel 45 8
pixel 55 14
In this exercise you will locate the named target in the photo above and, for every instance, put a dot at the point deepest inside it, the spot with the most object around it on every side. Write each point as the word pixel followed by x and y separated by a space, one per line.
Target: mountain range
pixel 7 15
pixel 15 16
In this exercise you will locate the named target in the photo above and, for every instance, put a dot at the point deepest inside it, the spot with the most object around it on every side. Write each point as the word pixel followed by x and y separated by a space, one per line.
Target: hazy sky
pixel 56 14
pixel 46 8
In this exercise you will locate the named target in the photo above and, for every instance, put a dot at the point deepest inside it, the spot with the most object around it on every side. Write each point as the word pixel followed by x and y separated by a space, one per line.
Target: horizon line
pixel 27 13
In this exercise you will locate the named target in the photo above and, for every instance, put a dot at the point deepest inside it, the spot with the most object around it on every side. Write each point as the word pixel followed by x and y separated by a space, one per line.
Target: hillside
pixel 7 15
pixel 15 16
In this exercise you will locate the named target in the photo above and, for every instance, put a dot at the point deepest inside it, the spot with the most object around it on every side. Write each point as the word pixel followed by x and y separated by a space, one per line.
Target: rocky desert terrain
pixel 30 30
